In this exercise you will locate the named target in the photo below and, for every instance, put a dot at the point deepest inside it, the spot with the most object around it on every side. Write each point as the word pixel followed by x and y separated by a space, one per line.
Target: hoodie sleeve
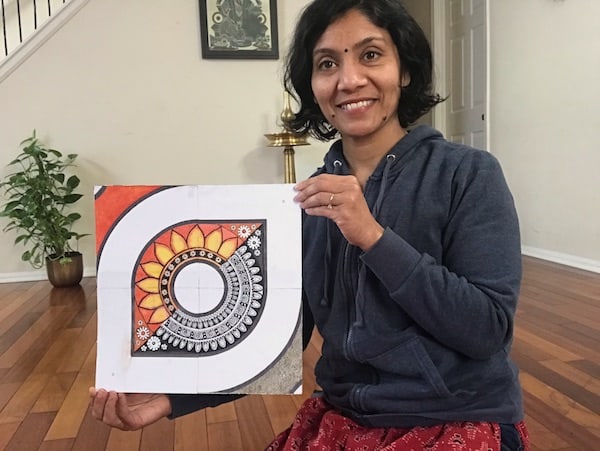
pixel 468 300
pixel 184 404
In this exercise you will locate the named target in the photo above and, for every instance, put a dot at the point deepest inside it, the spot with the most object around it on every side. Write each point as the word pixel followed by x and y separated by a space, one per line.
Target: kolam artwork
pixel 199 289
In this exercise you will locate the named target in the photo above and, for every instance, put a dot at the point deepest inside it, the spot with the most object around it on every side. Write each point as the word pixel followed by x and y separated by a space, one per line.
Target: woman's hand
pixel 340 198
pixel 128 412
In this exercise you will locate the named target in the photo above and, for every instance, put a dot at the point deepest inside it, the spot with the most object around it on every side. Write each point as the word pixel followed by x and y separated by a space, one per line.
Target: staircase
pixel 26 24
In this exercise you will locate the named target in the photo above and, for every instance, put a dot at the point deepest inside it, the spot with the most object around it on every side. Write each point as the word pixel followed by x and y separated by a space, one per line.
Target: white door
pixel 466 71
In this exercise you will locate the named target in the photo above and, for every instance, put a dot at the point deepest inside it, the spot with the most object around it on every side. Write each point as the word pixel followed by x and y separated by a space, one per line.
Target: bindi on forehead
pixel 324 48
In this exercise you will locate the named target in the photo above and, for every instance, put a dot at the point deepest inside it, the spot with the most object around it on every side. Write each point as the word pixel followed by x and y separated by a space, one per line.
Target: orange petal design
pixel 163 253
pixel 151 302
pixel 214 240
pixel 228 247
pixel 149 285
pixel 195 238
pixel 178 243
pixel 159 316
pixel 153 269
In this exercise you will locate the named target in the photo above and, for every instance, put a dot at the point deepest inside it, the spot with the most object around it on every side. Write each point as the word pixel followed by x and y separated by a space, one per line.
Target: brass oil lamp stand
pixel 287 139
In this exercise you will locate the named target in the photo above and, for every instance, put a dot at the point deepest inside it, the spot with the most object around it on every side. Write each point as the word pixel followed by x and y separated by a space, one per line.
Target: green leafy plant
pixel 39 196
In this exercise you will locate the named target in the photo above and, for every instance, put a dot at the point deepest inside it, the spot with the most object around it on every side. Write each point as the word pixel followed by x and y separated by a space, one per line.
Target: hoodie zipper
pixel 350 271
pixel 347 292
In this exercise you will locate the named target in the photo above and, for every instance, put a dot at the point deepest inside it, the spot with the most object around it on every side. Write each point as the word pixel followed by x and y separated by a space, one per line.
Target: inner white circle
pixel 199 287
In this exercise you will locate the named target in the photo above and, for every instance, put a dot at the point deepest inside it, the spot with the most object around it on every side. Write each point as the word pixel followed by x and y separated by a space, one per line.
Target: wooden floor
pixel 47 358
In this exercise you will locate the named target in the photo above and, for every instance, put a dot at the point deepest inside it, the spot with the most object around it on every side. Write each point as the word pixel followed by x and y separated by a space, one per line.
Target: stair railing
pixel 27 24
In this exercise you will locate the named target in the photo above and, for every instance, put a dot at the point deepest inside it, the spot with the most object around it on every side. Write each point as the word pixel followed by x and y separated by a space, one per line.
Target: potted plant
pixel 39 196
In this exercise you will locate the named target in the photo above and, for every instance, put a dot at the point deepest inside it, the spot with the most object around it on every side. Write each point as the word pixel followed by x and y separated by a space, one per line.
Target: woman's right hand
pixel 130 411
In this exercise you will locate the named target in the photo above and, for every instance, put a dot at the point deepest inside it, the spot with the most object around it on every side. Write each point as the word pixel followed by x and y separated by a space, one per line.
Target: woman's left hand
pixel 340 198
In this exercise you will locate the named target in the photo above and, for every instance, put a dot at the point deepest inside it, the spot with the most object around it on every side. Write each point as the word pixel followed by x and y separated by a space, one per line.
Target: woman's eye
pixel 325 64
pixel 371 55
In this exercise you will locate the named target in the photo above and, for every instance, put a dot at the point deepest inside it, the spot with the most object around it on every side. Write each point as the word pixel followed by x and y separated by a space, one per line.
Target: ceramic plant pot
pixel 65 273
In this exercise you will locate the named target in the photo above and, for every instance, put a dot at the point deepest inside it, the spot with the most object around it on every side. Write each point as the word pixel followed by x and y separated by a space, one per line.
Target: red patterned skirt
pixel 319 427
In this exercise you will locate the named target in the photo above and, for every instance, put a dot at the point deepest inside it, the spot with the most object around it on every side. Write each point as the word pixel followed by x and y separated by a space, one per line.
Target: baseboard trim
pixel 563 259
pixel 34 276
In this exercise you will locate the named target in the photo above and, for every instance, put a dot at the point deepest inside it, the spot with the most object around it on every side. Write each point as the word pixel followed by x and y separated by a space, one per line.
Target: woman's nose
pixel 351 76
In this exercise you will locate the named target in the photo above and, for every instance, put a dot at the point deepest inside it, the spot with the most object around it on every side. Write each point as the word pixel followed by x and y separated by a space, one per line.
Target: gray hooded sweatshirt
pixel 417 331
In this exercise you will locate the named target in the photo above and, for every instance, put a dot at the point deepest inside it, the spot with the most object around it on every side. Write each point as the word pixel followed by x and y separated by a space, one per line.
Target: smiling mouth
pixel 356 105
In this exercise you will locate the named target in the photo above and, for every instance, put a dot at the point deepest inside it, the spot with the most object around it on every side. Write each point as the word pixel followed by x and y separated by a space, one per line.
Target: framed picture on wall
pixel 239 29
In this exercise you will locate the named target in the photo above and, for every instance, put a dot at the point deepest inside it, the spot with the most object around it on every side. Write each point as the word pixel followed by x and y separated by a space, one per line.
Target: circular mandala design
pixel 226 324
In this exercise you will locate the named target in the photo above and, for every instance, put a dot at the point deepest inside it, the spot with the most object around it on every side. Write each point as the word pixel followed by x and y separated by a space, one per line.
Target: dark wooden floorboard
pixel 47 354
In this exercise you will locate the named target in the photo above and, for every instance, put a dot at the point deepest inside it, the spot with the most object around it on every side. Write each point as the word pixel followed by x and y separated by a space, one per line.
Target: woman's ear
pixel 405 80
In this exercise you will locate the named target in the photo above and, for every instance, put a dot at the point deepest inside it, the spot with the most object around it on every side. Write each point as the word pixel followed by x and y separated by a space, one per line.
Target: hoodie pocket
pixel 410 372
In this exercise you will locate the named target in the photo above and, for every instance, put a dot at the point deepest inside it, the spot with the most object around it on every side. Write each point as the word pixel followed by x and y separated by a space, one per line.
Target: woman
pixel 411 254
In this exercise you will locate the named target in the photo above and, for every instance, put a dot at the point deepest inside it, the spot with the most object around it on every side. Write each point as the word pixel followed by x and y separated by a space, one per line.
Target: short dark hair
pixel 416 99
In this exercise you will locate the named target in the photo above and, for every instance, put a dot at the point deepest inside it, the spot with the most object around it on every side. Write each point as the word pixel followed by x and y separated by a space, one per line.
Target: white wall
pixel 545 91
pixel 123 85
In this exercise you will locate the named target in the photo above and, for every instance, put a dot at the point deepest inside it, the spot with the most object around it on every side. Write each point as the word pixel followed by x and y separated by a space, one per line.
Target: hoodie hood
pixel 412 140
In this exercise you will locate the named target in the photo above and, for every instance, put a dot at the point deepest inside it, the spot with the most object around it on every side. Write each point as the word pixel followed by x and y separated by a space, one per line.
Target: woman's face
pixel 356 77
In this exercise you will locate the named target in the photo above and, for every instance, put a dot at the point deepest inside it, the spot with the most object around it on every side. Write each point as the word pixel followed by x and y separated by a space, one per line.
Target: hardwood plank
pixel 578 329
pixel 21 301
pixel 79 348
pixel 54 392
pixel 71 296
pixel 86 298
pixel 222 413
pixel 564 334
pixel 255 427
pixel 7 430
pixel 569 312
pixel 543 437
pixel 31 432
pixel 281 411
pixel 224 436
pixel 6 393
pixel 19 405
pixel 535 352
pixel 577 377
pixel 57 351
pixel 19 327
pixel 557 381
pixel 36 382
pixel 8 290
pixel 191 433
pixel 591 368
pixel 120 440
pixel 573 434
pixel 562 292
pixel 91 434
pixel 57 445
pixel 75 405
pixel 158 436
pixel 26 353
pixel 583 422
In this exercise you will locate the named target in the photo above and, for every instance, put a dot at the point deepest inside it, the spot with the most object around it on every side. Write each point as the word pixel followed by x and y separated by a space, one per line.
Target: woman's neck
pixel 364 154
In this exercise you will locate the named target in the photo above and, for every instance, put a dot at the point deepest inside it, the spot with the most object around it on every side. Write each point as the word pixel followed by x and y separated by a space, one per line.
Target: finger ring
pixel 330 200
